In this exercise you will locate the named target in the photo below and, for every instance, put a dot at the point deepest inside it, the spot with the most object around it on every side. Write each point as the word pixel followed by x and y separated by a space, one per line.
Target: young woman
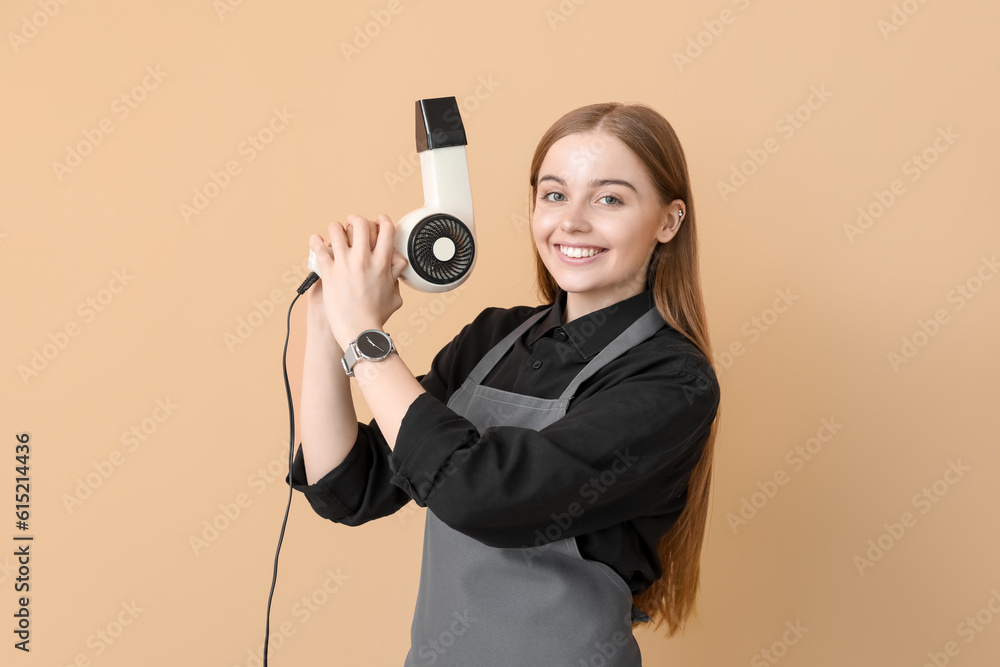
pixel 563 451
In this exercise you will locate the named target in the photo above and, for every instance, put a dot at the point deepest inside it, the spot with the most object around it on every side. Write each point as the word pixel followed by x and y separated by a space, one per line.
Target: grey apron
pixel 479 606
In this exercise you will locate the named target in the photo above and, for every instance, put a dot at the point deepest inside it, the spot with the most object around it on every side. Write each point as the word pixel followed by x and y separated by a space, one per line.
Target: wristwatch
pixel 370 344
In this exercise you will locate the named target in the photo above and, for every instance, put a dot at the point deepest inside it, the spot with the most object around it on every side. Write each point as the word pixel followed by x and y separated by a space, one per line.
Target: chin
pixel 572 284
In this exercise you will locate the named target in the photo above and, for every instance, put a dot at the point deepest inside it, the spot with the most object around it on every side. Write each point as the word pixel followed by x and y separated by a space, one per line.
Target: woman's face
pixel 597 219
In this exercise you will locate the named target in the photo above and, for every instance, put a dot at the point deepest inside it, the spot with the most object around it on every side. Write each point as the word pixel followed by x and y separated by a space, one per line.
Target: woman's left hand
pixel 360 271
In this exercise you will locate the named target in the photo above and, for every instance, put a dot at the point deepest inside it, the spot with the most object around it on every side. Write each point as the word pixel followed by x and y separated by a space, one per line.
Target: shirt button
pixel 536 365
pixel 560 334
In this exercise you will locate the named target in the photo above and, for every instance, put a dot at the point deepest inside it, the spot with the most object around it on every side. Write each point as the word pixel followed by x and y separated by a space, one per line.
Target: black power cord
pixel 306 284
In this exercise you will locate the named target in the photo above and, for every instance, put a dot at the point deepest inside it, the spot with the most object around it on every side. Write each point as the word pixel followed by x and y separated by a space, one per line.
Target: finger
pixel 361 236
pixel 320 249
pixel 374 229
pixel 338 240
pixel 386 236
pixel 398 264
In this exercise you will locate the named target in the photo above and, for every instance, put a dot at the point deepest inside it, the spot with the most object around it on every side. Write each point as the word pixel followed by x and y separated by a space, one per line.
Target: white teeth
pixel 578 252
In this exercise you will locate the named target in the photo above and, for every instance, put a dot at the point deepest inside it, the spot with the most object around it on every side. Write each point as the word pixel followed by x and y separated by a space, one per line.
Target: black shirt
pixel 612 472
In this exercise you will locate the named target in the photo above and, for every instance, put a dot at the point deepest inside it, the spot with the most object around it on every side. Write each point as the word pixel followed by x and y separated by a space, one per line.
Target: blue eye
pixel 552 192
pixel 616 201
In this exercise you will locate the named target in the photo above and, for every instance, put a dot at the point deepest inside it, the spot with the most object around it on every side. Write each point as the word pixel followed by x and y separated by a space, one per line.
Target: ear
pixel 670 223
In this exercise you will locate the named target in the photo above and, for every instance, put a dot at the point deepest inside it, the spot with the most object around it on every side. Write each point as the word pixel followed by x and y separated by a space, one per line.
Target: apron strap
pixel 491 358
pixel 638 331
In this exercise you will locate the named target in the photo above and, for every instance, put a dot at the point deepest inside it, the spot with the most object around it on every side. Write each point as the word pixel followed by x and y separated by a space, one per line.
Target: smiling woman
pixel 563 451
pixel 632 142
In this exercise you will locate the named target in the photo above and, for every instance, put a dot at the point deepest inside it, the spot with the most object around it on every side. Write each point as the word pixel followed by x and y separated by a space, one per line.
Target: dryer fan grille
pixel 426 235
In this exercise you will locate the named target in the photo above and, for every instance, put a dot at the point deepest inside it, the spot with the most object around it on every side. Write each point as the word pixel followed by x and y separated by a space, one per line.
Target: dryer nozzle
pixel 439 124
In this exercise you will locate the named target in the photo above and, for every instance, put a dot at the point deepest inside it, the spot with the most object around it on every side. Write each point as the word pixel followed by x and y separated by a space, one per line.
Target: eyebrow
pixel 594 184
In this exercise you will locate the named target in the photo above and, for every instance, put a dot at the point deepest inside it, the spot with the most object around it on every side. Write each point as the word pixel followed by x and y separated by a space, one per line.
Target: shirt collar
pixel 592 332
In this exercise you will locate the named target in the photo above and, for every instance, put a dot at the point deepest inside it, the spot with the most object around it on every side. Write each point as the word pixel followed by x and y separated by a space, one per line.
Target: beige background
pixel 166 334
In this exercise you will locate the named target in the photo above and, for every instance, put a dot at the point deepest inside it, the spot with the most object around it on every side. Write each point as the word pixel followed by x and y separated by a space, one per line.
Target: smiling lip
pixel 577 260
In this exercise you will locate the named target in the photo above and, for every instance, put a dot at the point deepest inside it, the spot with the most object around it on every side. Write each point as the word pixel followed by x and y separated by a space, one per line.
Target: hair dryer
pixel 438 239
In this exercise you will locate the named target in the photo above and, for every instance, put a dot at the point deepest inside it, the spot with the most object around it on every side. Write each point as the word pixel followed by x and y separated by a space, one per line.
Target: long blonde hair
pixel 675 282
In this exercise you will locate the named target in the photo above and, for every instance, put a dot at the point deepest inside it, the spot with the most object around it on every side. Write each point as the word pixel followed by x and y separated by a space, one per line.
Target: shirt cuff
pixel 429 434
pixel 340 492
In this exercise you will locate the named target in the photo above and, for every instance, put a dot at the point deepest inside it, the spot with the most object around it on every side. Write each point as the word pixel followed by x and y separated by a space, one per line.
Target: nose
pixel 575 217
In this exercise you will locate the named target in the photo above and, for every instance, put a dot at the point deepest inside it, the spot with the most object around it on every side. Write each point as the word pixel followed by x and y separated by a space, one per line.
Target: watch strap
pixel 350 358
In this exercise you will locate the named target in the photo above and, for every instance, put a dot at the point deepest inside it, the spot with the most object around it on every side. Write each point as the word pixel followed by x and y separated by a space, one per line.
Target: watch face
pixel 373 344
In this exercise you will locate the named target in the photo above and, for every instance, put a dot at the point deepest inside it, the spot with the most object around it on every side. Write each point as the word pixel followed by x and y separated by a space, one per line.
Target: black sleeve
pixel 357 490
pixel 613 455
pixel 360 489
